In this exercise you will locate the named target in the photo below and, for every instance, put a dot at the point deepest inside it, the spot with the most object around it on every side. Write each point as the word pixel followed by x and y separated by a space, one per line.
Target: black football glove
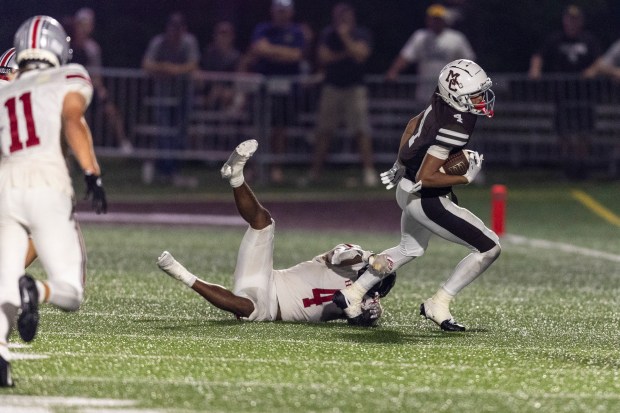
pixel 94 189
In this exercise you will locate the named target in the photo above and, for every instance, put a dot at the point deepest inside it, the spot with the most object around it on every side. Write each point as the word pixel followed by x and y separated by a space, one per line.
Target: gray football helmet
pixel 41 40
pixel 461 81
pixel 7 64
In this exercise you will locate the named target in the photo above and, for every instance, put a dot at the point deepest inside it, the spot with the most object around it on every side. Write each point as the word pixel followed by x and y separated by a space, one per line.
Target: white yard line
pixel 48 401
pixel 559 246
pixel 161 218
pixel 521 394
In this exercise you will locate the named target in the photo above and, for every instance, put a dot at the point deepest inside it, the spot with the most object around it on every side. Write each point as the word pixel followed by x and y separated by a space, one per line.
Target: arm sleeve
pixel 438 151
pixel 76 79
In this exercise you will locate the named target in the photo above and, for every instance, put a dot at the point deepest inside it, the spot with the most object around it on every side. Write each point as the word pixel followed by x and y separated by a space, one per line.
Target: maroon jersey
pixel 441 125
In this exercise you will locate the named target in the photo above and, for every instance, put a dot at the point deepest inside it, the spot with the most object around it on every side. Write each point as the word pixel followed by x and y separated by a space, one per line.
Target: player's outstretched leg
pixel 28 319
pixel 217 295
pixel 440 315
pixel 233 168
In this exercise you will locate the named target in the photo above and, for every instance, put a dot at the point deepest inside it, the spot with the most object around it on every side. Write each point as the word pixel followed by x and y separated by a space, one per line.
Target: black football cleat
pixel 446 325
pixel 28 320
pixel 5 373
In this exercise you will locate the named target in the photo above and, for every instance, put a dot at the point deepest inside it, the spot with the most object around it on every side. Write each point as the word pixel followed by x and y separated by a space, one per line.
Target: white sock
pixel 176 270
pixel 236 180
pixel 186 277
pixel 355 292
pixel 442 297
pixel 367 280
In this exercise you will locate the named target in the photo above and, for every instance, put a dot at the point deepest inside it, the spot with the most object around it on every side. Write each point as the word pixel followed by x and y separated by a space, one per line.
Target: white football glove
pixel 372 308
pixel 391 177
pixel 475 165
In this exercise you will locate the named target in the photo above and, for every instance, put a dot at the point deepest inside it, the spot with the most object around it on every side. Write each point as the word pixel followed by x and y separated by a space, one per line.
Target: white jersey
pixel 305 291
pixel 432 52
pixel 30 127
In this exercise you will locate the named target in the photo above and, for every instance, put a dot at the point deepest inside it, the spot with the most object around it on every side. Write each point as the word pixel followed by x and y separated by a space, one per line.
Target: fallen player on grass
pixel 303 292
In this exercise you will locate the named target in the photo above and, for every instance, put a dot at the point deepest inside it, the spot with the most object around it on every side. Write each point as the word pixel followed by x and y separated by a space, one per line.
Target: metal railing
pixel 540 122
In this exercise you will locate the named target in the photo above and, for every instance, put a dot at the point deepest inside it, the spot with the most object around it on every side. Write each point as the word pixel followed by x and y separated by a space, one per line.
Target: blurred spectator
pixel 570 51
pixel 308 63
pixel 343 51
pixel 220 55
pixel 171 58
pixel 608 64
pixel 86 51
pixel 431 48
pixel 276 51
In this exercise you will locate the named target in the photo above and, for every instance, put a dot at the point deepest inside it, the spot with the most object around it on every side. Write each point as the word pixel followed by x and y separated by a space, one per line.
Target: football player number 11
pixel 11 107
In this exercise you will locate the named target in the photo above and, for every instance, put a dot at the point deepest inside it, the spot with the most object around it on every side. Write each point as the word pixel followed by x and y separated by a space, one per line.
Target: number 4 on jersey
pixel 319 296
pixel 10 106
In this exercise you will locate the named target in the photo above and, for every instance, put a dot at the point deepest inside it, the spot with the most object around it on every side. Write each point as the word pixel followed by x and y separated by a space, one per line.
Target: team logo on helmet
pixel 453 81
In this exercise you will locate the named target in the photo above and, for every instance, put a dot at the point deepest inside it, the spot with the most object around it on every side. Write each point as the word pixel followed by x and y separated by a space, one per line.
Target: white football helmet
pixel 461 82
pixel 8 66
pixel 41 40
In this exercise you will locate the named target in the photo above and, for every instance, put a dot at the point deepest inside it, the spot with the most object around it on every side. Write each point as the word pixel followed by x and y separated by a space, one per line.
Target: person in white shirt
pixel 431 48
pixel 36 193
pixel 303 292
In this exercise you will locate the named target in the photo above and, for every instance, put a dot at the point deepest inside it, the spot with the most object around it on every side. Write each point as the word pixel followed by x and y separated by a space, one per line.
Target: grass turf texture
pixel 543 326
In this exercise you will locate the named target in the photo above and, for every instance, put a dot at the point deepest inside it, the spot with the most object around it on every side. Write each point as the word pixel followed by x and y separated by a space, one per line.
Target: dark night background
pixel 503 33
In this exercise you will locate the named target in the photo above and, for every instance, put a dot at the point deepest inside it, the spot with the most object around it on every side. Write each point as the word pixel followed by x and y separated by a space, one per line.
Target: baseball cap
pixel 437 10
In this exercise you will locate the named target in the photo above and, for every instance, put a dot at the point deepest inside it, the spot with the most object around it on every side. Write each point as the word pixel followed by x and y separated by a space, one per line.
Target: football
pixel 456 164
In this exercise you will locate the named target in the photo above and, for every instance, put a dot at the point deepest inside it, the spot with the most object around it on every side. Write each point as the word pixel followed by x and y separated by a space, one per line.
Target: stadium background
pixel 503 33
pixel 543 320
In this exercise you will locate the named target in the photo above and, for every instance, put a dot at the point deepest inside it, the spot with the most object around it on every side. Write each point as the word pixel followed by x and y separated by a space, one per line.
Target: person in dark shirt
pixel 170 59
pixel 343 51
pixel 570 51
pixel 424 192
pixel 220 55
pixel 276 51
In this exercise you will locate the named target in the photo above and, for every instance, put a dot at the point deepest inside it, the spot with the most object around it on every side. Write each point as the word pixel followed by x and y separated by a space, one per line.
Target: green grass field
pixel 543 326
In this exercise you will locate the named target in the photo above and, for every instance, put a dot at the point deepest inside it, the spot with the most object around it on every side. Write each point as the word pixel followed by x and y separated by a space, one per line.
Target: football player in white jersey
pixel 36 193
pixel 8 69
pixel 8 66
pixel 425 195
pixel 300 293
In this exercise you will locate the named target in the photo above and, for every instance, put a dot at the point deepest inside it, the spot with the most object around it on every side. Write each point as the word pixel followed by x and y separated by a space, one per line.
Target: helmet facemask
pixel 481 103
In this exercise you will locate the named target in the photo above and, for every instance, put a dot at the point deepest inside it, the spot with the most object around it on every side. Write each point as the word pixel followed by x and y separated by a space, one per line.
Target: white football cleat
pixel 173 268
pixel 233 168
pixel 440 315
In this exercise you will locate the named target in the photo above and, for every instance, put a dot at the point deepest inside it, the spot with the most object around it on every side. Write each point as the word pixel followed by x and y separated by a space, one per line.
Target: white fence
pixel 542 122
